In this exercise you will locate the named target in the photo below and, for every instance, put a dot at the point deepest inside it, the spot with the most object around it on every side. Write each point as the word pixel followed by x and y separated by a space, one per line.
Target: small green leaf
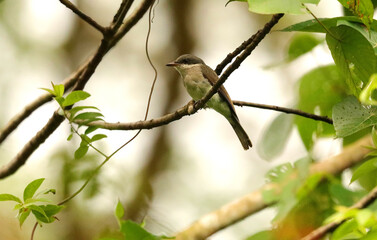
pixel 75 97
pixel 300 44
pixel 88 116
pixel 9 197
pixel 74 110
pixel 368 95
pixel 279 173
pixel 278 6
pixel 98 137
pixel 59 90
pixel 90 129
pixel 263 235
pixel 22 215
pixel 39 213
pixel 350 116
pixel 32 187
pixel 362 9
pixel 363 217
pixel 70 137
pixel 365 168
pixel 275 137
pixel 347 230
pixel 119 210
pixel 133 231
pixel 49 91
pixel 81 151
pixel 59 100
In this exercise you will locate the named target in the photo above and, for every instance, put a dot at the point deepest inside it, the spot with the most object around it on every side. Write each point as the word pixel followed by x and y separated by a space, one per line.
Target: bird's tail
pixel 241 134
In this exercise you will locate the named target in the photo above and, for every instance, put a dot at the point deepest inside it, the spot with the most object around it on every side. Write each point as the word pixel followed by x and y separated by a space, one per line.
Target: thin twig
pixel 285 110
pixel 237 62
pixel 83 16
pixel 253 202
pixel 121 14
pixel 33 231
pixel 323 230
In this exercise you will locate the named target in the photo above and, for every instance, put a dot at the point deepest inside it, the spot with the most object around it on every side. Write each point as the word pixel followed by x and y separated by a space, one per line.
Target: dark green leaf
pixel 75 97
pixel 353 55
pixel 350 116
pixel 319 90
pixel 32 187
pixel 366 167
pixel 46 213
pixel 39 213
pixel 81 151
pixel 133 231
pixel 9 197
pixel 275 137
pixel 98 137
pixel 74 110
pixel 301 44
pixel 90 129
pixel 343 196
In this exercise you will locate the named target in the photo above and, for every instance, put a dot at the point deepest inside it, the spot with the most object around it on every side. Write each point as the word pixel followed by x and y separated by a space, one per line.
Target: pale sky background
pixel 214 169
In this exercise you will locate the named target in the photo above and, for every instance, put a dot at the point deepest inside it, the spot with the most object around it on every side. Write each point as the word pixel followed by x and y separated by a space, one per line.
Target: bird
pixel 198 79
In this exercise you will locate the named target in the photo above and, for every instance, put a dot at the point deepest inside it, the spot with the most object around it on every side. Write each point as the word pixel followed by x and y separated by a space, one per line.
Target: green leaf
pixel 275 137
pixel 88 116
pixel 319 90
pixel 9 197
pixel 39 213
pixel 90 129
pixel 347 230
pixel 300 44
pixel 32 187
pixel 263 235
pixel 364 217
pixel 353 55
pixel 368 95
pixel 75 97
pixel 133 231
pixel 374 138
pixel 70 137
pixel 22 215
pixel 81 151
pixel 364 168
pixel 74 110
pixel 119 210
pixel 98 137
pixel 49 91
pixel 59 90
pixel 279 173
pixel 46 213
pixel 343 196
pixel 362 9
pixel 350 116
pixel 313 26
pixel 278 6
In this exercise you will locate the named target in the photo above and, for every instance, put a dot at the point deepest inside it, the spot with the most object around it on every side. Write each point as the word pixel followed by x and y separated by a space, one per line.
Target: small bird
pixel 198 79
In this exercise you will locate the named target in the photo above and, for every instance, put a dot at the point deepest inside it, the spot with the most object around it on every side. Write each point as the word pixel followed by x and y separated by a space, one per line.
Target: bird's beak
pixel 172 64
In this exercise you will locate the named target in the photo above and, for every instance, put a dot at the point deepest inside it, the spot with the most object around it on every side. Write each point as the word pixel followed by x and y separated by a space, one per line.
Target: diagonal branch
pixel 83 77
pixel 237 62
pixel 241 208
pixel 323 230
pixel 83 16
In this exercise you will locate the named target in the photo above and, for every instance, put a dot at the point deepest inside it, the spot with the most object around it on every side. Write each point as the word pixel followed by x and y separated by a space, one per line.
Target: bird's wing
pixel 212 77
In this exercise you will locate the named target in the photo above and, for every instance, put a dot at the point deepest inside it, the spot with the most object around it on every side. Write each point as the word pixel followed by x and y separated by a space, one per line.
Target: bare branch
pixel 237 62
pixel 121 14
pixel 285 110
pixel 241 208
pixel 83 16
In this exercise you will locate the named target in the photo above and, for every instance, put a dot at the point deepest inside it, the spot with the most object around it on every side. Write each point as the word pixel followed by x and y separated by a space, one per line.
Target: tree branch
pixel 83 77
pixel 33 144
pixel 237 62
pixel 83 16
pixel 285 110
pixel 323 230
pixel 241 208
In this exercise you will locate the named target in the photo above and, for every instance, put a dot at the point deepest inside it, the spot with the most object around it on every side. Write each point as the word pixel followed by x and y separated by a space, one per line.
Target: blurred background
pixel 169 176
